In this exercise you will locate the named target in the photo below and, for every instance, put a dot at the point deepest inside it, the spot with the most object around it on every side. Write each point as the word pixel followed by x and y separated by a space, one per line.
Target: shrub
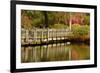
pixel 59 26
pixel 80 30
pixel 80 33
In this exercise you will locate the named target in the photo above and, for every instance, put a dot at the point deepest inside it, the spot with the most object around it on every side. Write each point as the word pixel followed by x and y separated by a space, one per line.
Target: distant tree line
pixel 52 19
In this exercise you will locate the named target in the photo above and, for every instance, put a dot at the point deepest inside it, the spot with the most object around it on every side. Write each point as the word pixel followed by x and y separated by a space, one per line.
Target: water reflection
pixel 55 52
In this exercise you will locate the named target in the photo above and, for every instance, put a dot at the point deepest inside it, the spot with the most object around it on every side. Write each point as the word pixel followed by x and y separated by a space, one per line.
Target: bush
pixel 80 33
pixel 59 26
pixel 80 30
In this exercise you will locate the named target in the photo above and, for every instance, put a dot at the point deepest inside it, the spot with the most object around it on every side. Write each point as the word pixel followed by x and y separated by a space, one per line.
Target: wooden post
pixel 42 34
pixel 27 38
pixel 48 34
pixel 52 34
pixel 35 35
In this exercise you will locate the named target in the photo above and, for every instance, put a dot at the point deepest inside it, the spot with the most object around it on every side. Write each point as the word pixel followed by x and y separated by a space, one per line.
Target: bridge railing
pixel 37 35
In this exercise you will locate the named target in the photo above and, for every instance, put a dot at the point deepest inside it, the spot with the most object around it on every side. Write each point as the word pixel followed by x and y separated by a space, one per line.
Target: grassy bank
pixel 80 33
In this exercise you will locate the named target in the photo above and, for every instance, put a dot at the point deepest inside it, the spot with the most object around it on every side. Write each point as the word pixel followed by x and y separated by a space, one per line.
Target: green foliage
pixel 87 19
pixel 37 23
pixel 29 13
pixel 80 30
pixel 38 19
pixel 51 19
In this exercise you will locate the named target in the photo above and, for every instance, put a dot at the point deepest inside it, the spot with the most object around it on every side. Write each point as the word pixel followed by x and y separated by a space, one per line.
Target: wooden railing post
pixel 42 35
pixel 27 36
pixel 36 35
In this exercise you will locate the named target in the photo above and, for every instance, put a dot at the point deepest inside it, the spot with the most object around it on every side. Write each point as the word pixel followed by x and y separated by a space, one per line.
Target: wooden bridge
pixel 43 35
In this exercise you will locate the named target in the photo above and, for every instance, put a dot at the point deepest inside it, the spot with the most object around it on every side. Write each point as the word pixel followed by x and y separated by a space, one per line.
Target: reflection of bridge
pixel 53 52
pixel 43 35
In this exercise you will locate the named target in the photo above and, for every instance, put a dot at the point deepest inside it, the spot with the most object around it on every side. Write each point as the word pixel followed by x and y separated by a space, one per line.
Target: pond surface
pixel 55 52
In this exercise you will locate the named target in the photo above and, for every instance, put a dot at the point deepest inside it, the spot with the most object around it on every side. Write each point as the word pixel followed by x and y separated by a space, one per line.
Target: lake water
pixel 55 52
